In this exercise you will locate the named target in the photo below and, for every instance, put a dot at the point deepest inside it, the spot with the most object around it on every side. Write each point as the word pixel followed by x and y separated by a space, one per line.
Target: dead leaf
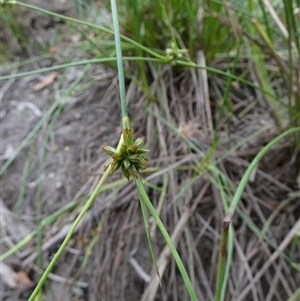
pixel 48 80
pixel 22 280
pixel 18 280
pixel 53 49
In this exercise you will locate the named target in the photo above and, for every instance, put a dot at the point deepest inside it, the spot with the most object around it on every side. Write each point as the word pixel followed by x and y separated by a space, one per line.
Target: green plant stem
pixel 253 165
pixel 80 63
pixel 230 238
pixel 69 235
pixel 147 229
pixel 54 216
pixel 119 58
pixel 26 172
pixel 153 60
pixel 91 25
pixel 167 238
pixel 222 258
pixel 145 59
pixel 155 55
pixel 221 280
pixel 295 296
pixel 45 222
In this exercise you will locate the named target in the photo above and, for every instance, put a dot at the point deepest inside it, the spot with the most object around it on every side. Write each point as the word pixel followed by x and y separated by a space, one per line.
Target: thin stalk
pixel 54 216
pixel 146 59
pixel 222 258
pixel 295 296
pixel 24 183
pixel 148 234
pixel 253 165
pixel 161 200
pixel 167 238
pixel 97 235
pixel 44 223
pixel 47 12
pixel 38 197
pixel 119 58
pixel 153 60
pixel 229 261
pixel 69 235
pixel 220 283
pixel 80 63
pixel 156 56
pixel 125 118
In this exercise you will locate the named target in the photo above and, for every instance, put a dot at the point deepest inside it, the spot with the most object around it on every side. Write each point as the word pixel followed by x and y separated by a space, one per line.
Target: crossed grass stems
pixel 131 158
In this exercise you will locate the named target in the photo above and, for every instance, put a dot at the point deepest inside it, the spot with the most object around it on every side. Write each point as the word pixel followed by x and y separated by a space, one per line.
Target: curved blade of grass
pixel 253 165
pixel 91 25
pixel 225 257
pixel 54 216
pixel 147 229
pixel 230 234
pixel 45 222
pixel 69 235
pixel 38 196
pixel 119 58
pixel 159 58
pixel 161 200
pixel 295 296
pixel 79 63
pixel 145 59
pixel 167 238
pixel 26 172
pixel 125 119
pixel 96 237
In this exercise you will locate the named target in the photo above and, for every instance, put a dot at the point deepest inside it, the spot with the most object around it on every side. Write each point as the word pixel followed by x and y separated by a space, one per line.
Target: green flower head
pixel 129 156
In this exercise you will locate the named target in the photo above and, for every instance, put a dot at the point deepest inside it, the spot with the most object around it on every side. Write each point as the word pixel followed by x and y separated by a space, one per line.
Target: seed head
pixel 130 156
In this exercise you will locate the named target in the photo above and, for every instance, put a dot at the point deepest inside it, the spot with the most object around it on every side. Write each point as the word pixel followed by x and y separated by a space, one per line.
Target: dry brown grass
pixel 119 265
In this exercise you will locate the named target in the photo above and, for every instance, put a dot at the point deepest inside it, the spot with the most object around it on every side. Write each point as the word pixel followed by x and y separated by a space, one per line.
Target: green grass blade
pixel 168 240
pixel 233 206
pixel 147 229
pixel 295 296
pixel 69 235
pixel 91 25
pixel 119 58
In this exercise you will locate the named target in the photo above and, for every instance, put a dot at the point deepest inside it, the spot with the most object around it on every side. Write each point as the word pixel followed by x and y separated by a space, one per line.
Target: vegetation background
pixel 208 84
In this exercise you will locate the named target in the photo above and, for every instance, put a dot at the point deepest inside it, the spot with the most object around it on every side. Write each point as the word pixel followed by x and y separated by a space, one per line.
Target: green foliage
pixel 216 36
pixel 191 24
pixel 13 32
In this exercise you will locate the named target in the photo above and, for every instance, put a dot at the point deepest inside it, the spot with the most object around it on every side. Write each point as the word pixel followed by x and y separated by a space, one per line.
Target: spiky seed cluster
pixel 174 53
pixel 130 157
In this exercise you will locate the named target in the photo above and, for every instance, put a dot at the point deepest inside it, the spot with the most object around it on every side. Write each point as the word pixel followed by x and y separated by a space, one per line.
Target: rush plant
pixel 130 156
